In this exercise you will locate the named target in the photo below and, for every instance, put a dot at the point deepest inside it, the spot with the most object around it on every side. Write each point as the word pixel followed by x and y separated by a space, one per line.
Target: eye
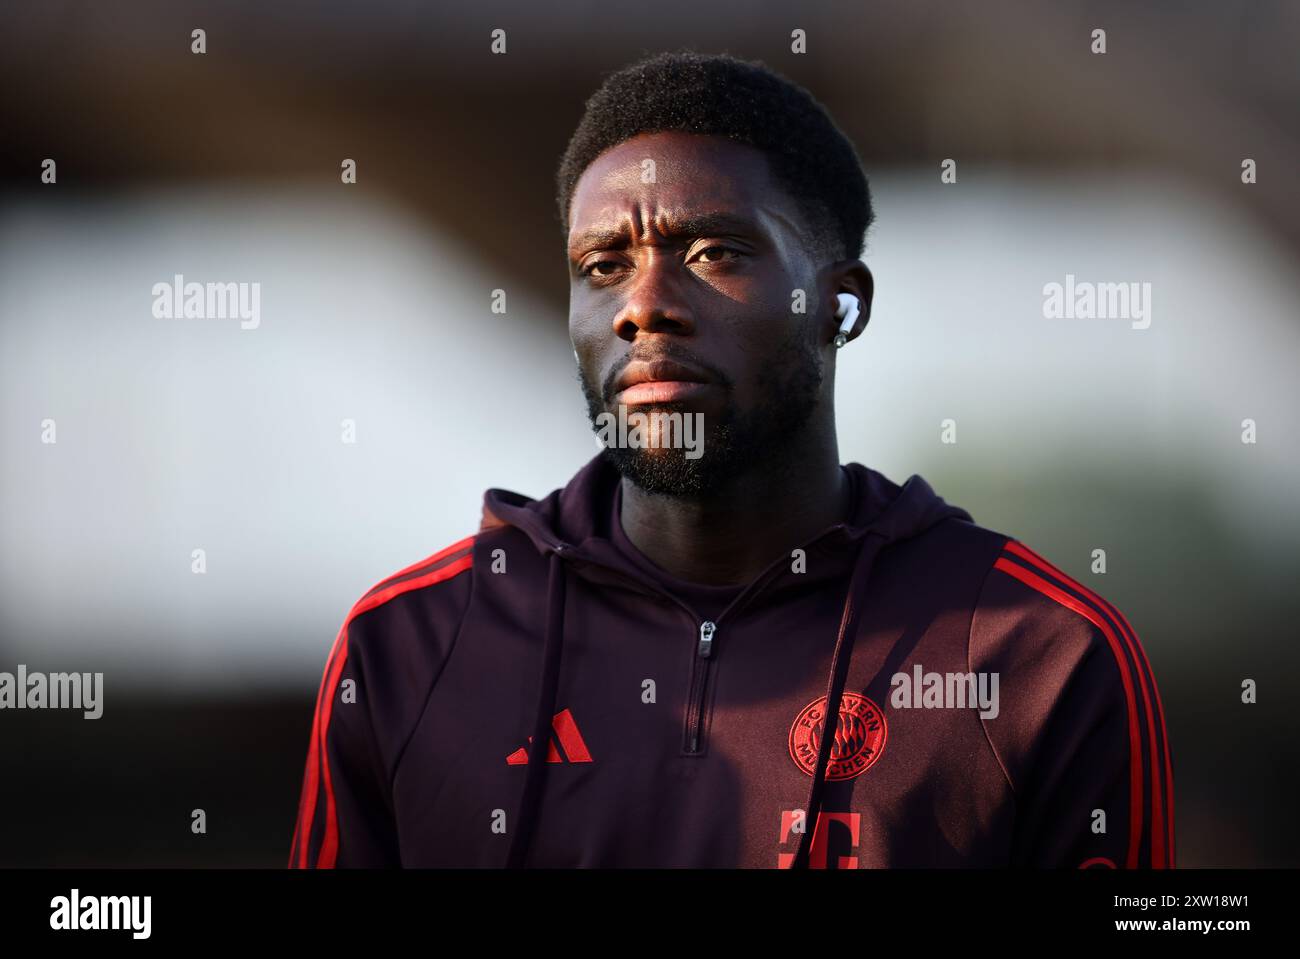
pixel 717 253
pixel 590 268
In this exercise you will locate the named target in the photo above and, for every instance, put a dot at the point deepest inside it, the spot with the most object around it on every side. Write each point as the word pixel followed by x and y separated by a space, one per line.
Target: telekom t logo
pixel 817 854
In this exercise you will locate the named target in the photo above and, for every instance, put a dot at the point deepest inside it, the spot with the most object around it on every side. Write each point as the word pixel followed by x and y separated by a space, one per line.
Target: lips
pixel 659 381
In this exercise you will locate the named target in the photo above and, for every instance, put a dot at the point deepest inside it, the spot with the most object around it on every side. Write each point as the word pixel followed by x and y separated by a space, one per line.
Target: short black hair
pixel 744 101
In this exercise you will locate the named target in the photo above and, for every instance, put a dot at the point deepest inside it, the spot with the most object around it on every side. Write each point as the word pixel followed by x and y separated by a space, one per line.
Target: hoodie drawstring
pixel 540 746
pixel 835 690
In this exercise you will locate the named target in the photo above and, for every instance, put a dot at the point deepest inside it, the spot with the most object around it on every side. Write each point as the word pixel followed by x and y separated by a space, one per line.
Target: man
pixel 637 670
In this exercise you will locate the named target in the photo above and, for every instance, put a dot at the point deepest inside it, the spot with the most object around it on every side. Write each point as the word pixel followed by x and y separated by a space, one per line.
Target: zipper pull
pixel 707 629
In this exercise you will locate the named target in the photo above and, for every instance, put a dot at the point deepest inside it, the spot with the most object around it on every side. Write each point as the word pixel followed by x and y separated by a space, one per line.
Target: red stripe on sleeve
pixel 441 554
pixel 330 845
pixel 1162 830
pixel 312 773
pixel 310 785
pixel 1135 747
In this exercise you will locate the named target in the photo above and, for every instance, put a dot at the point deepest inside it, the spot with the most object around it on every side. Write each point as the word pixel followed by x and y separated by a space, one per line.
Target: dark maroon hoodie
pixel 991 711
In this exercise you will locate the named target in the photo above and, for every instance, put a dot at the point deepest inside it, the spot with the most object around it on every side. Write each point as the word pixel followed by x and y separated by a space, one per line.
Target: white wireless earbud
pixel 848 309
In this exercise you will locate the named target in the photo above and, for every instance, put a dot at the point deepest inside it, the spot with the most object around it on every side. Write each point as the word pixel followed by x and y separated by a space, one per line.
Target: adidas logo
pixel 570 740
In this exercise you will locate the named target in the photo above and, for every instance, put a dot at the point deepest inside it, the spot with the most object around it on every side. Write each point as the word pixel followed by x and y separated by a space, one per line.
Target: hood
pixel 572 527
pixel 575 521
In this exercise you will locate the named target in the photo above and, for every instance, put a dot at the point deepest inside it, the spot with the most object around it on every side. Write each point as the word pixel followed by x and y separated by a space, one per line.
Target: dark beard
pixel 790 386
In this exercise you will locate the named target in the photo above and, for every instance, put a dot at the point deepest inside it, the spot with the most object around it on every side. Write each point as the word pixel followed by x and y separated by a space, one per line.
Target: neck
pixel 733 534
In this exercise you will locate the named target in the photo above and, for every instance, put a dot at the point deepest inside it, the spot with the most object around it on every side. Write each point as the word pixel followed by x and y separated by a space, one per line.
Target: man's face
pixel 682 299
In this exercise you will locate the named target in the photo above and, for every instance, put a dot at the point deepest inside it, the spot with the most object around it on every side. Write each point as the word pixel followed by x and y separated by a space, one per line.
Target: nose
pixel 655 302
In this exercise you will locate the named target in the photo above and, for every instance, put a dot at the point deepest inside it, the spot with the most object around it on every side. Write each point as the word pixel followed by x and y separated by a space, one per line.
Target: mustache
pixel 674 354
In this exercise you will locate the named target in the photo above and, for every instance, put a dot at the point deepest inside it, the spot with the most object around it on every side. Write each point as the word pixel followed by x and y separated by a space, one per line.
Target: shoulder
pixel 1036 618
pixel 399 633
pixel 1082 714
pixel 394 643
pixel 1067 657
pixel 1022 605
pixel 383 664
pixel 1027 598
pixel 437 584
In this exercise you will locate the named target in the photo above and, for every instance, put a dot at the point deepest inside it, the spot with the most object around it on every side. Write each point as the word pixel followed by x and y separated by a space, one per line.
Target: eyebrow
pixel 689 224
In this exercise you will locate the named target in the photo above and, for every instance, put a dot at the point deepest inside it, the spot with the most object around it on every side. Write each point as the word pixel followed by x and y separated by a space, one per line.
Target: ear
pixel 851 276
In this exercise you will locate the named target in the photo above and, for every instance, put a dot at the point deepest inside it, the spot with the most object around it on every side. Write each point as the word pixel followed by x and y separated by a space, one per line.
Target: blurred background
pixel 182 434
